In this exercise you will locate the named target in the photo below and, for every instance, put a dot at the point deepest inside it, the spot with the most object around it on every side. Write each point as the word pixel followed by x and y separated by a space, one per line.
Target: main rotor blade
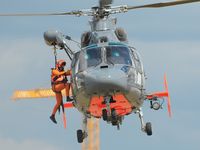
pixel 43 14
pixel 165 4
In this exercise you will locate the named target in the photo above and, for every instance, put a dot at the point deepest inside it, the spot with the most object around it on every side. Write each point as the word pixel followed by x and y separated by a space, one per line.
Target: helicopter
pixel 108 78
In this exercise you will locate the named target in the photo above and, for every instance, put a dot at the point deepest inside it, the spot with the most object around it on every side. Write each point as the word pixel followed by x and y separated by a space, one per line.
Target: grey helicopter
pixel 108 78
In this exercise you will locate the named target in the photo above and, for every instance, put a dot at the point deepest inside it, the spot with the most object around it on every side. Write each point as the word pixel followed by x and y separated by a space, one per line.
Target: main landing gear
pixel 110 115
pixel 82 134
pixel 147 128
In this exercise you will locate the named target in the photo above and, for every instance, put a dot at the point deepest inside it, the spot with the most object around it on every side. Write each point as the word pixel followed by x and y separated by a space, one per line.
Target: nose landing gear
pixel 110 115
pixel 104 114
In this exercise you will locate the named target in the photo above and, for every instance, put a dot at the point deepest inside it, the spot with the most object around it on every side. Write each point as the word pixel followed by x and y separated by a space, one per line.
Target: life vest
pixel 57 79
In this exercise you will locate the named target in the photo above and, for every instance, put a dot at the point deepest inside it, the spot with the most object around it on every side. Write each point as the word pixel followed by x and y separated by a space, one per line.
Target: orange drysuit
pixel 59 82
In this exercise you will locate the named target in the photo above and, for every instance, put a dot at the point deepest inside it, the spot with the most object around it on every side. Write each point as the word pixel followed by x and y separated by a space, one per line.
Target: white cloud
pixel 29 144
pixel 18 53
pixel 21 54
pixel 179 58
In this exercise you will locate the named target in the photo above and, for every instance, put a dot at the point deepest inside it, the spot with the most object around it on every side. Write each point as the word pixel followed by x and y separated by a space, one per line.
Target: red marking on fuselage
pixel 122 105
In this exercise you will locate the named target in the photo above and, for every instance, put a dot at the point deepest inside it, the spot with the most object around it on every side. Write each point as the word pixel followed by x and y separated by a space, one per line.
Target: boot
pixel 69 99
pixel 52 117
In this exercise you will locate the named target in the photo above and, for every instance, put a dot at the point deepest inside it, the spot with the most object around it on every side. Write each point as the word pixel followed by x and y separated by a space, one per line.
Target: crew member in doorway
pixel 58 83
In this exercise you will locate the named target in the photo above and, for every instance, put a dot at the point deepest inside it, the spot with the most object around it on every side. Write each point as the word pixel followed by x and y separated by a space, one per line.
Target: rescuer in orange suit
pixel 59 82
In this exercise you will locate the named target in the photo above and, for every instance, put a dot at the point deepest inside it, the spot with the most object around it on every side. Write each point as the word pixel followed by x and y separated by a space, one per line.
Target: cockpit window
pixel 93 56
pixel 118 55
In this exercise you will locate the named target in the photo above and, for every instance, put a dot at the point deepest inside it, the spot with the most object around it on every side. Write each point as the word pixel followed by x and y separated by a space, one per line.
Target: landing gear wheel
pixel 118 127
pixel 114 123
pixel 148 129
pixel 104 114
pixel 113 114
pixel 80 136
pixel 120 120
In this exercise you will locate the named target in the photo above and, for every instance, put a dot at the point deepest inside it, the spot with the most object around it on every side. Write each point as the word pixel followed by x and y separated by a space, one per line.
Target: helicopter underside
pixel 123 103
pixel 120 104
pixel 112 107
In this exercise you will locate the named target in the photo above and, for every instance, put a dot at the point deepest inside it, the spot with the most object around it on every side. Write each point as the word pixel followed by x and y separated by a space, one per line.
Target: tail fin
pixel 161 95
pixel 168 97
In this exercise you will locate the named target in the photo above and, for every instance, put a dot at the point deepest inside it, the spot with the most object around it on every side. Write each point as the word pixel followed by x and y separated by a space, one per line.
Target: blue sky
pixel 168 40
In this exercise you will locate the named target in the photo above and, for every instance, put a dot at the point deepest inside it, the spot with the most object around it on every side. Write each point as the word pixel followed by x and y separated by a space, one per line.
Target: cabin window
pixel 118 55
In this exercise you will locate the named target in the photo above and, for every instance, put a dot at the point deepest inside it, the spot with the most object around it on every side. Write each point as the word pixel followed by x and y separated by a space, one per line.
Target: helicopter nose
pixel 105 81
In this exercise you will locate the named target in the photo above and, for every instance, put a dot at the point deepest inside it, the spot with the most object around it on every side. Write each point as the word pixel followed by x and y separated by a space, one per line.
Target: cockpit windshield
pixel 118 55
pixel 93 56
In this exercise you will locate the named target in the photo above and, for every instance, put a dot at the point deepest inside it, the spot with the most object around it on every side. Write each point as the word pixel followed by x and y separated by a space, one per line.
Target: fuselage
pixel 108 69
